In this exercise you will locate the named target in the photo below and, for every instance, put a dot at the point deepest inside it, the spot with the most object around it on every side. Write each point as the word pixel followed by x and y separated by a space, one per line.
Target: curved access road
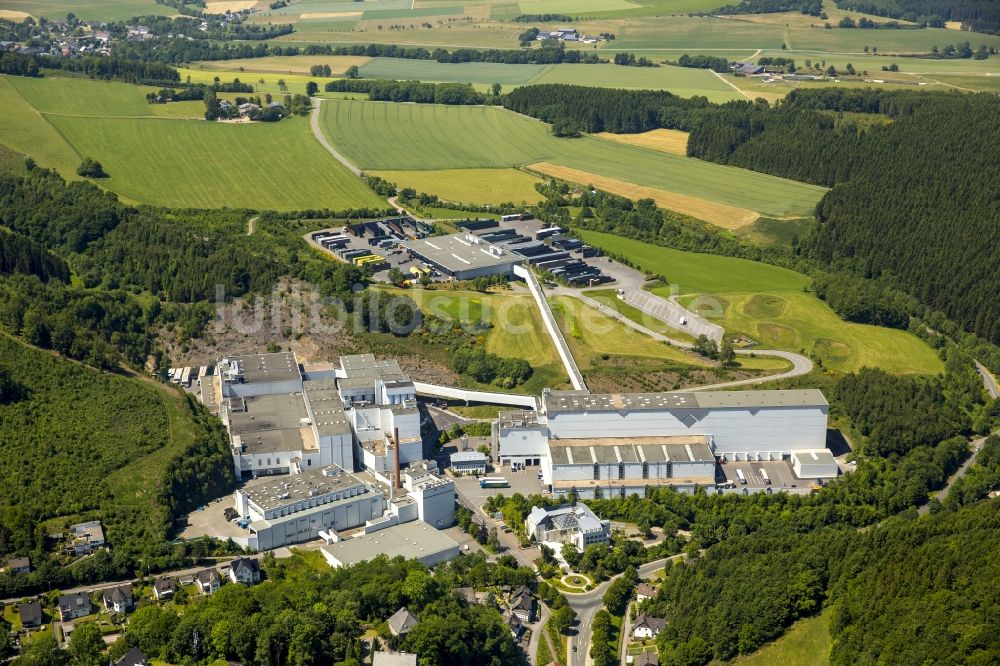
pixel 801 365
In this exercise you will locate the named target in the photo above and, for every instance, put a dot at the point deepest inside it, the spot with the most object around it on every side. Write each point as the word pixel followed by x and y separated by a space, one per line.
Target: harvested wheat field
pixel 674 142
pixel 223 6
pixel 720 215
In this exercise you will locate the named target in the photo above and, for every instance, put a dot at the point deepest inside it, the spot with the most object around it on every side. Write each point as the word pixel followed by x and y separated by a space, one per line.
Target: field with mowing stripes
pixel 466 72
pixel 88 10
pixel 157 159
pixel 769 305
pixel 380 136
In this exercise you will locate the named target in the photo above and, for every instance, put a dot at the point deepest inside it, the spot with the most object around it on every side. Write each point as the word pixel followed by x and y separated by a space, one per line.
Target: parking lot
pixel 780 472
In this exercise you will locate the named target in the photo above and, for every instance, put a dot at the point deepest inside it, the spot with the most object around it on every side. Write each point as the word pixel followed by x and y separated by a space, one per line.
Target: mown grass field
pixel 769 305
pixel 808 641
pixel 467 72
pixel 470 186
pixel 171 161
pixel 384 136
pixel 682 81
pixel 88 10
pixel 25 130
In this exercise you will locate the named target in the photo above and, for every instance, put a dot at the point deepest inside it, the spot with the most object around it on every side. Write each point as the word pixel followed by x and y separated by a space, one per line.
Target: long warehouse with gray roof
pixel 620 443
pixel 463 256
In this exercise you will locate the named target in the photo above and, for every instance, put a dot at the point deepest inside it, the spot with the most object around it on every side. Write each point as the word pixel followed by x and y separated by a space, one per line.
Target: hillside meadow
pixel 154 158
pixel 771 306
pixel 387 136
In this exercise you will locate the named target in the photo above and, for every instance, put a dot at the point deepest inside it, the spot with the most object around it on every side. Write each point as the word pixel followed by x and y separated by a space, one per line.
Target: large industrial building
pixel 282 419
pixel 295 508
pixel 309 430
pixel 602 445
pixel 463 256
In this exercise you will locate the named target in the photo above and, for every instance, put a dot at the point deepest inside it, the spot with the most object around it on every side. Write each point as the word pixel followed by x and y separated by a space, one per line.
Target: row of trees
pixel 414 91
pixel 978 16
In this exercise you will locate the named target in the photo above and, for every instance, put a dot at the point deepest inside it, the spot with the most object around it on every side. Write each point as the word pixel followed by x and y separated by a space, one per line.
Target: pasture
pixel 769 305
pixel 386 136
pixel 59 121
pixel 470 186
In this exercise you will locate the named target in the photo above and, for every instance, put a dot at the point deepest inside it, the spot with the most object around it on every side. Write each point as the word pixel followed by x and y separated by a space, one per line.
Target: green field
pixel 88 10
pixel 26 131
pixel 376 135
pixel 591 334
pixel 467 72
pixel 682 81
pixel 516 331
pixel 806 642
pixel 768 305
pixel 172 161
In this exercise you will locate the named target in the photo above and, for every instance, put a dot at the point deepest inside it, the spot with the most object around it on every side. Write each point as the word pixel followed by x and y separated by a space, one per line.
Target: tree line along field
pixel 769 304
pixel 384 136
pixel 174 161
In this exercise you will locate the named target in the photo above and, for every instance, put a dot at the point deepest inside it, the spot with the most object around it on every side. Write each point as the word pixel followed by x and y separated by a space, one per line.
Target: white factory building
pixel 602 445
pixel 296 508
pixel 281 418
pixel 302 435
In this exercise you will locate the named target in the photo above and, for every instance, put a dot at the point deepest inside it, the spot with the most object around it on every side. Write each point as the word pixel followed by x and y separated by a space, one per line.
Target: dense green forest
pixel 978 15
pixel 77 443
pixel 911 591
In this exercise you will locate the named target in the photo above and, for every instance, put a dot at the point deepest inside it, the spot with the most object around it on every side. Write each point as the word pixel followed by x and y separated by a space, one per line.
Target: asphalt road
pixel 977 446
pixel 989 380
pixel 586 605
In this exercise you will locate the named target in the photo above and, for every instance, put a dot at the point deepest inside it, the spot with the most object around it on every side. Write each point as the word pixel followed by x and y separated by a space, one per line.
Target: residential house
pixel 247 108
pixel 18 565
pixel 86 537
pixel 647 658
pixel 646 626
pixel 119 599
pixel 645 591
pixel 134 657
pixel 394 659
pixel 72 606
pixel 31 614
pixel 522 604
pixel 208 581
pixel 401 622
pixel 244 571
pixel 164 589
pixel 516 626
pixel 467 593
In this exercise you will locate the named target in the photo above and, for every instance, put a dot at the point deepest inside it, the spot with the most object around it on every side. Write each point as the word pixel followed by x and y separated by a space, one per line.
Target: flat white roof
pixel 413 540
